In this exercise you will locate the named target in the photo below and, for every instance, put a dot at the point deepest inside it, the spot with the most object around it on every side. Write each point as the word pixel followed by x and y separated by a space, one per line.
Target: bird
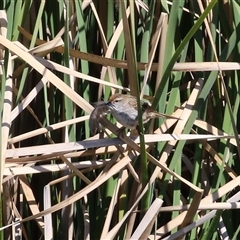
pixel 124 108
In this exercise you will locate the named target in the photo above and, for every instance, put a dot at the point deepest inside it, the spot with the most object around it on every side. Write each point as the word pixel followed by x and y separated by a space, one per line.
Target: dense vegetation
pixel 178 180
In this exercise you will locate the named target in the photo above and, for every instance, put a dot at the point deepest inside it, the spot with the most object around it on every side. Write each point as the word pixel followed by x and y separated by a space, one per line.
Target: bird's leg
pixel 134 132
pixel 138 130
pixel 121 132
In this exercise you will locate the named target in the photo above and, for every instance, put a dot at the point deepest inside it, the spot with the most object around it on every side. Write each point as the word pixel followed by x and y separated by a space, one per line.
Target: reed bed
pixel 178 179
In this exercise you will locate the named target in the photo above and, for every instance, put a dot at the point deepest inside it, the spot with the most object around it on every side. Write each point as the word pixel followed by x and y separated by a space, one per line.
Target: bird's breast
pixel 127 120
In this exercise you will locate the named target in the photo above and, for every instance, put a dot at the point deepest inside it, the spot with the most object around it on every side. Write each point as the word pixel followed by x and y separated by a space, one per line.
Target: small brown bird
pixel 124 109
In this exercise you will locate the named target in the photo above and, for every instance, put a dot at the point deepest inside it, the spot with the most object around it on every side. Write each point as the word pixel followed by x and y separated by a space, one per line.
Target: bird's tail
pixel 162 115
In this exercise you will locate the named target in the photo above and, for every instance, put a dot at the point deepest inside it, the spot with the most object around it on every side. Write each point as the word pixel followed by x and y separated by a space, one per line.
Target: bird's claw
pixel 121 132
